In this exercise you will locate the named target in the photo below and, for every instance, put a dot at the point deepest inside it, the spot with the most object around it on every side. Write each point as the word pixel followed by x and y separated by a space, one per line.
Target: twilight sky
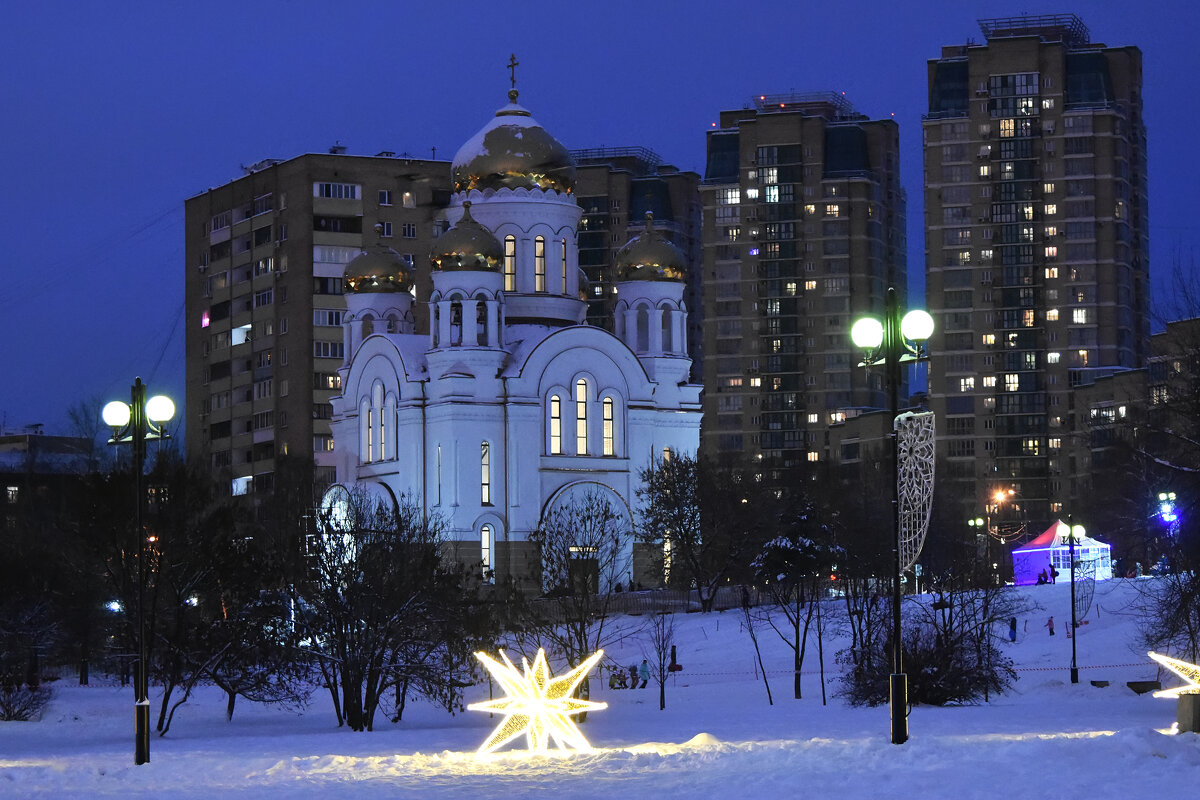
pixel 117 112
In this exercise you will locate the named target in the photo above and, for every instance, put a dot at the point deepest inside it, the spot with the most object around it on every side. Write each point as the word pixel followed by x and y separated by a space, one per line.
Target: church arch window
pixel 581 437
pixel 456 311
pixel 487 552
pixel 555 424
pixel 375 424
pixel 368 325
pixel 510 263
pixel 365 418
pixel 437 323
pixel 564 266
pixel 485 474
pixel 481 320
pixel 642 342
pixel 668 327
pixel 539 264
pixel 608 414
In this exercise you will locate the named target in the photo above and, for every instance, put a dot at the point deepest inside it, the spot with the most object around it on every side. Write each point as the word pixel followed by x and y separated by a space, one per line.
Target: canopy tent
pixel 1051 549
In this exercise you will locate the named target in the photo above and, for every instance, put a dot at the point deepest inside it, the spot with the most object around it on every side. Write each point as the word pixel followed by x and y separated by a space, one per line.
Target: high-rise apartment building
pixel 617 187
pixel 265 257
pixel 1036 251
pixel 803 232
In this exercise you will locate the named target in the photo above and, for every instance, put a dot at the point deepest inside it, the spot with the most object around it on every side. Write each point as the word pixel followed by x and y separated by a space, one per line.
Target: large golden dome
pixel 379 268
pixel 650 257
pixel 513 152
pixel 467 246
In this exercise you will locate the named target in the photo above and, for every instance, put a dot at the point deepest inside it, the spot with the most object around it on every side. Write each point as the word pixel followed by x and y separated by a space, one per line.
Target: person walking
pixel 1050 624
pixel 633 676
pixel 644 673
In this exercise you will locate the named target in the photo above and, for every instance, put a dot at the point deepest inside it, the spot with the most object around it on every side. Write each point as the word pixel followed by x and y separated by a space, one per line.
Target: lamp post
pixel 892 342
pixel 1072 532
pixel 135 423
pixel 985 526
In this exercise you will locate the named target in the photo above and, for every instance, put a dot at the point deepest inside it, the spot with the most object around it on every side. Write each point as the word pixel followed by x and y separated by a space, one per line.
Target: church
pixel 511 405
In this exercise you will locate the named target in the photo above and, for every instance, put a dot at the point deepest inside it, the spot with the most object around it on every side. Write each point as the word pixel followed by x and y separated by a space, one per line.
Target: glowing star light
pixel 1189 672
pixel 536 705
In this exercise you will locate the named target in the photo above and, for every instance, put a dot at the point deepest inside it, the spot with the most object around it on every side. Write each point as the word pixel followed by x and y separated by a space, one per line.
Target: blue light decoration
pixel 1166 509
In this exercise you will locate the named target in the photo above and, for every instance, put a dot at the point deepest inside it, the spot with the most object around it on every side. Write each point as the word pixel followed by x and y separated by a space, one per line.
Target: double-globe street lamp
pixel 891 342
pixel 135 423
pixel 1074 533
pixel 984 524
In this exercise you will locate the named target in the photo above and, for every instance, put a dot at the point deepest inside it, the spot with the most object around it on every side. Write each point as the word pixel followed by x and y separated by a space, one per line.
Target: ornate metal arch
pixel 915 446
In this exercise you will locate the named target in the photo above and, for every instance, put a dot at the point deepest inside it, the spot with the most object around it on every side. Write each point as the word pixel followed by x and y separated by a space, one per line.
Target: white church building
pixel 511 404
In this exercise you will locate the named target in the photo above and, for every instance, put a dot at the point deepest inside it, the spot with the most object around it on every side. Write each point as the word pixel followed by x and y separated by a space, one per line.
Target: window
pixel 263 298
pixel 327 317
pixel 555 425
pixel 609 448
pixel 338 191
pixel 487 544
pixel 581 417
pixel 1079 316
pixel 385 197
pixel 485 474
pixel 370 448
pixel 728 197
pixel 386 230
pixel 539 264
pixel 966 384
pixel 510 263
pixel 329 350
pixel 1012 382
pixel 1052 315
pixel 563 242
pixel 833 210
pixel 407 200
pixel 1053 358
pixel 409 230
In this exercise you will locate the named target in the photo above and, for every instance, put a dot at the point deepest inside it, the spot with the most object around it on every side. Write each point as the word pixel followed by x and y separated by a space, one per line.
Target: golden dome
pixel 467 246
pixel 379 268
pixel 513 152
pixel 650 257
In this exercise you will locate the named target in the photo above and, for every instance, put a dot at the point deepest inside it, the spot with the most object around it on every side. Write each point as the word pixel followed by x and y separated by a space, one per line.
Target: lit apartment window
pixel 966 384
pixel 1008 128
pixel 1052 251
pixel 555 425
pixel 985 170
pixel 1053 357
pixel 1012 382
pixel 989 381
pixel 1055 444
pixel 989 339
pixel 1083 358
pixel 810 286
pixel 581 417
pixel 1051 209
pixel 539 264
pixel 833 210
pixel 485 474
pixel 755 382
pixel 510 263
pixel 814 456
pixel 1079 316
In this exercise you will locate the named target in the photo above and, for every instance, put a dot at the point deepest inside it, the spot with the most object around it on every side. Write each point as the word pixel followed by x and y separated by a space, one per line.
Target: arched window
pixel 581 417
pixel 375 436
pixel 643 329
pixel 610 448
pixel 370 435
pixel 667 339
pixel 368 325
pixel 564 266
pixel 555 425
pixel 487 550
pixel 455 323
pixel 481 320
pixel 485 474
pixel 437 324
pixel 510 263
pixel 539 264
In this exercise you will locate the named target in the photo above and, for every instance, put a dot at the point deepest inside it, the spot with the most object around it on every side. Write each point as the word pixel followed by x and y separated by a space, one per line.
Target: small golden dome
pixel 379 268
pixel 650 257
pixel 585 286
pixel 513 152
pixel 467 246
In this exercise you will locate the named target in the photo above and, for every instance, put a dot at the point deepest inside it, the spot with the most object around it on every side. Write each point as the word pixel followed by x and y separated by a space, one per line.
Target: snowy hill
pixel 717 736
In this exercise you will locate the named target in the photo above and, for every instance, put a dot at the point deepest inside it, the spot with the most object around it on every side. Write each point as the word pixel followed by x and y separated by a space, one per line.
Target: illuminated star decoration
pixel 536 705
pixel 1189 672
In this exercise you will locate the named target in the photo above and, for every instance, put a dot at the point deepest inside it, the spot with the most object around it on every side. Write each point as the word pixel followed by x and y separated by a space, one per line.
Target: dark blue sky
pixel 115 113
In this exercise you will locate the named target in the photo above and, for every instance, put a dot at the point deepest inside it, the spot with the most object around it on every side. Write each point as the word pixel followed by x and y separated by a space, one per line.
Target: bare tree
pixel 661 635
pixel 584 542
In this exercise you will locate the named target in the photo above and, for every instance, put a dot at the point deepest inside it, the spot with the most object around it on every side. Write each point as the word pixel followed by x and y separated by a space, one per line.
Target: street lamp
pixel 984 524
pixel 1073 532
pixel 135 423
pixel 892 342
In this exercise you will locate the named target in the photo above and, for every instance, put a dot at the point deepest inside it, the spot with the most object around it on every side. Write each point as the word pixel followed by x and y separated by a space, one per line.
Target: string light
pixel 1189 672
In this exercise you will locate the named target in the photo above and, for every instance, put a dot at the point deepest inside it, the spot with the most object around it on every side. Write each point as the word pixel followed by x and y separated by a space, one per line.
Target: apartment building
pixel 1036 250
pixel 265 256
pixel 803 231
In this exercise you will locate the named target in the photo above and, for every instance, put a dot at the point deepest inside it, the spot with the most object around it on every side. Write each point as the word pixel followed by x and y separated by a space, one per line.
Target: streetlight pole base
pixel 898 684
pixel 1074 675
pixel 141 742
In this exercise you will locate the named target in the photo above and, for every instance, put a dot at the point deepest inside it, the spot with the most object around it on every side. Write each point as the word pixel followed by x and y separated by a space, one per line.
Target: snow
pixel 718 737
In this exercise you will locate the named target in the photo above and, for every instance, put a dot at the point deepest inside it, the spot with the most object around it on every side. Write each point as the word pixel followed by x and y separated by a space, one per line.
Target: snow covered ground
pixel 717 736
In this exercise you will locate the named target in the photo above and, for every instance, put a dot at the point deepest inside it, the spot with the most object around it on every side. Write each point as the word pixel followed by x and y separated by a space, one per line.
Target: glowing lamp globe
pixel 1077 531
pixel 867 333
pixel 115 414
pixel 917 325
pixel 160 408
